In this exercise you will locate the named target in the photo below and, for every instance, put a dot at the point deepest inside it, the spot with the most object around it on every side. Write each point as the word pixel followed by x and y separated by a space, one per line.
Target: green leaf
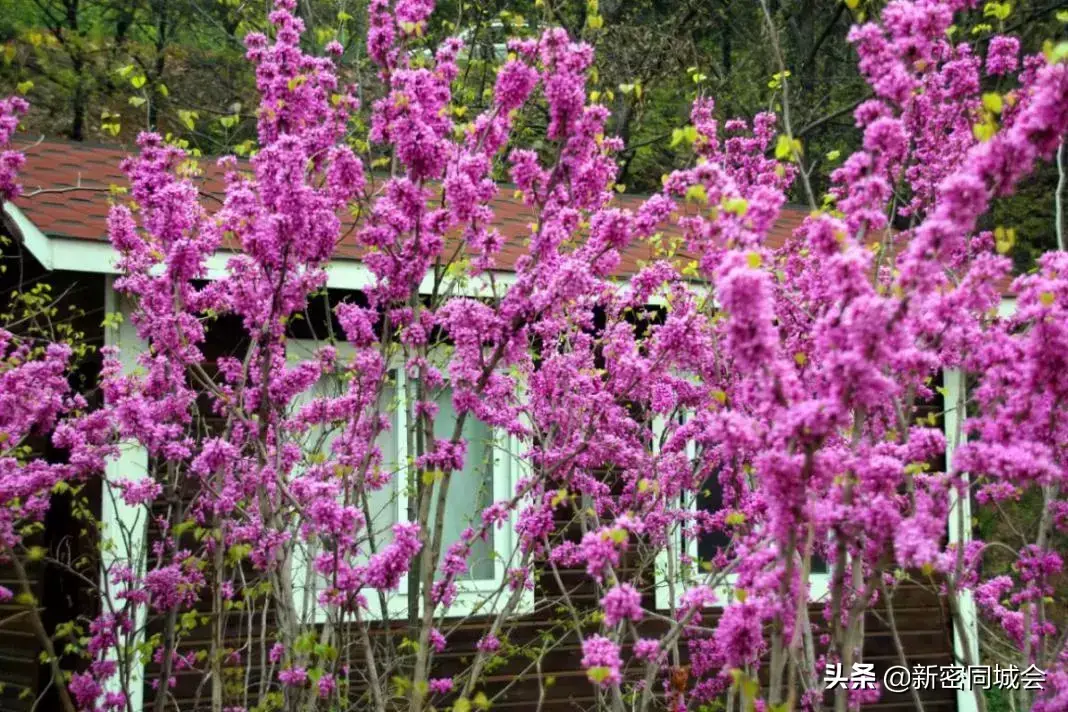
pixel 1055 53
pixel 787 149
pixel 1004 239
pixel 137 101
pixel 697 194
pixel 138 81
pixel 188 118
pixel 997 10
pixel 777 79
pixel 985 129
pixel 736 206
pixel 993 102
pixel 24 87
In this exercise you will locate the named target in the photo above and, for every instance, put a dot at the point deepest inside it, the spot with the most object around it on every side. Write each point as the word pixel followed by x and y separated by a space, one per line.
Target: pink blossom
pixel 489 643
pixel 622 602
pixel 600 659
pixel 1001 54
pixel 293 677
pixel 441 685
pixel 647 649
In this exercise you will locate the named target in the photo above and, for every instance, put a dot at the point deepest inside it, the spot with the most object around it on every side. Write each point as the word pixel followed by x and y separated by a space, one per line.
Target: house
pixel 59 231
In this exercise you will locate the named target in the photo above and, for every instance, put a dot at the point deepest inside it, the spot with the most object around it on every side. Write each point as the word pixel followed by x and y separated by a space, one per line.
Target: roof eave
pixel 31 237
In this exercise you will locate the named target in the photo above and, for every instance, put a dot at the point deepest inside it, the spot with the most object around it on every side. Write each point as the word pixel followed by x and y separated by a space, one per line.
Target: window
pixel 488 475
pixel 672 579
pixel 471 490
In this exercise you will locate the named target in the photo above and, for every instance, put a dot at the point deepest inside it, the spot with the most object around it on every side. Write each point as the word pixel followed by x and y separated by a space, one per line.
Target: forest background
pixel 103 70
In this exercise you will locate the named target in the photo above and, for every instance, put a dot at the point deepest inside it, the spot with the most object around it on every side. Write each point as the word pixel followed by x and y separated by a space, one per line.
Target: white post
pixel 954 418
pixel 123 527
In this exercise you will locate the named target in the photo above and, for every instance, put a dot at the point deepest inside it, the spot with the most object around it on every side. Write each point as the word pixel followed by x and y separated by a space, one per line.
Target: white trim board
pixel 99 257
pixel 39 244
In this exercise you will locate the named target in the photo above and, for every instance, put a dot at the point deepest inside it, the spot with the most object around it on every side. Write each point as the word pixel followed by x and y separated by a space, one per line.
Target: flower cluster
pixel 622 603
pixel 600 659
pixel 11 109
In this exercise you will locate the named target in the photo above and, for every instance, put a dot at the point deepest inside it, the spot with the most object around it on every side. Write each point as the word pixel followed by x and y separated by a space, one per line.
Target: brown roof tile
pixel 75 178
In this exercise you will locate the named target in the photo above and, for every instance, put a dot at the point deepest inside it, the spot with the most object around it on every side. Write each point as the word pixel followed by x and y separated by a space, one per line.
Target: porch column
pixel 124 530
pixel 960 530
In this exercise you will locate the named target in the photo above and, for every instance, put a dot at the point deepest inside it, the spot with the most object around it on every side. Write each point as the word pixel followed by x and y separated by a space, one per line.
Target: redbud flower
pixel 600 659
pixel 622 602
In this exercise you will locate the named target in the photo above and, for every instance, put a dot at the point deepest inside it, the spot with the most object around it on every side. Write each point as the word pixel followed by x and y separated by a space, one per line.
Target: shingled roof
pixel 75 178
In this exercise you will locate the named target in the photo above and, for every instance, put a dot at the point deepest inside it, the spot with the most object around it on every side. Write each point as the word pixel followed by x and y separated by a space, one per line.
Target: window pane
pixel 710 499
pixel 471 490
pixel 382 503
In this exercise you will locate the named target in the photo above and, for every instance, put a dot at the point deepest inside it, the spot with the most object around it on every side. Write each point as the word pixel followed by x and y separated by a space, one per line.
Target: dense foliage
pixel 791 378
pixel 104 70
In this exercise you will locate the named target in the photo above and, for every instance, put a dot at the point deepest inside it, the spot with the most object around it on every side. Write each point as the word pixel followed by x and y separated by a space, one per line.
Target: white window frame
pixel 471 593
